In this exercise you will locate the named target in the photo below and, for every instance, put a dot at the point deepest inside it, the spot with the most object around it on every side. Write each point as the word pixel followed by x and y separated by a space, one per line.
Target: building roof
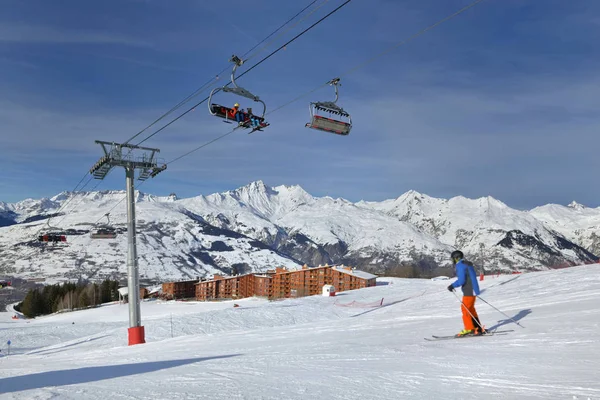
pixel 355 272
pixel 123 291
pixel 155 289
pixel 223 278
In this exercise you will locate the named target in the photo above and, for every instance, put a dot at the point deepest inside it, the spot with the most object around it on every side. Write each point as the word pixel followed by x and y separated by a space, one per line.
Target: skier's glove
pixel 451 288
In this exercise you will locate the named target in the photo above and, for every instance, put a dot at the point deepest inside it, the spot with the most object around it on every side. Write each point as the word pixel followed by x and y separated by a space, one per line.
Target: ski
pixel 434 337
pixel 486 334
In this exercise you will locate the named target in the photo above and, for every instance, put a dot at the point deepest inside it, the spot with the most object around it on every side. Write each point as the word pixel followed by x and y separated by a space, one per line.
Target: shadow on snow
pixel 380 307
pixel 91 374
pixel 519 316
pixel 58 349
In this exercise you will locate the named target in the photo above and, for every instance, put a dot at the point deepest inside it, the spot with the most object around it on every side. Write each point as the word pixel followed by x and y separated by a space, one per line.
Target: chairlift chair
pixel 104 231
pixel 52 234
pixel 225 112
pixel 52 238
pixel 329 124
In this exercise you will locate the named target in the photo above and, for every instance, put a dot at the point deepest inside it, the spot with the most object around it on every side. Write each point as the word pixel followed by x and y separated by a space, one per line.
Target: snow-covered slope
pixel 172 243
pixel 576 222
pixel 319 347
pixel 256 227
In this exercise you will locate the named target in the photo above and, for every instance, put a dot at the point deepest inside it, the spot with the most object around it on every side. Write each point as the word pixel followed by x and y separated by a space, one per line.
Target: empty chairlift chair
pixel 104 231
pixel 338 121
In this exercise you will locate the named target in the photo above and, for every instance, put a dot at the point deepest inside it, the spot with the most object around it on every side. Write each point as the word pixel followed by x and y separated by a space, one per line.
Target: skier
pixel 467 280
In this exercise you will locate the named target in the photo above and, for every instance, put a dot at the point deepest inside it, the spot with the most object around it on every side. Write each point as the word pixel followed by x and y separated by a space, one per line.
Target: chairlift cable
pixel 297 98
pixel 245 72
pixel 81 199
pixel 208 82
pixel 192 95
pixel 346 73
pixel 389 49
pixel 195 93
pixel 251 68
pixel 410 38
pixel 68 201
pixel 201 146
pixel 174 108
pixel 56 226
pixel 307 93
pixel 319 87
pixel 300 12
pixel 48 222
pixel 296 37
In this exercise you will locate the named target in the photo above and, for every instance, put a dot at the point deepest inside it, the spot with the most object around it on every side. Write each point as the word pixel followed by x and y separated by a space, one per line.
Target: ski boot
pixel 465 332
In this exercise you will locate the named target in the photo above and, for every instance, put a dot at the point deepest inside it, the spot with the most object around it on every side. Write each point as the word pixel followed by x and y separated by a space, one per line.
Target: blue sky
pixel 500 101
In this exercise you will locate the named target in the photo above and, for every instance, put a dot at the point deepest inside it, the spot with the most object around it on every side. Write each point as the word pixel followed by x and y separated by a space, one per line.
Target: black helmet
pixel 456 255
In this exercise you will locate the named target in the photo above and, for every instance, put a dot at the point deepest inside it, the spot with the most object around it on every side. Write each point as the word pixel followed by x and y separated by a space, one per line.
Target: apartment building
pixel 282 283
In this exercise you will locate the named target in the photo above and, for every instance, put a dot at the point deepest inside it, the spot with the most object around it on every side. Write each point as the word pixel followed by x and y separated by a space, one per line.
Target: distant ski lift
pixel 231 115
pixel 341 125
pixel 52 235
pixel 104 231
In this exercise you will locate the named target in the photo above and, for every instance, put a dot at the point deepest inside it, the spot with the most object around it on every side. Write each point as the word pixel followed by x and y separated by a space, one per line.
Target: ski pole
pixel 500 312
pixel 472 317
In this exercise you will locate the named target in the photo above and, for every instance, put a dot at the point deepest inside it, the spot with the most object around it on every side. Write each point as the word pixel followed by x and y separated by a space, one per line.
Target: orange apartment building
pixel 220 287
pixel 180 290
pixel 281 283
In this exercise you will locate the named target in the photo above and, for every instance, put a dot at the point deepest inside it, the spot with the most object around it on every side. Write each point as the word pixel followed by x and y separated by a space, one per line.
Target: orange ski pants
pixel 468 306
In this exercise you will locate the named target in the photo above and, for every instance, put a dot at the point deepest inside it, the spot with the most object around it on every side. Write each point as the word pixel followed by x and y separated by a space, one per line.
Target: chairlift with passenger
pixel 52 234
pixel 340 125
pixel 231 115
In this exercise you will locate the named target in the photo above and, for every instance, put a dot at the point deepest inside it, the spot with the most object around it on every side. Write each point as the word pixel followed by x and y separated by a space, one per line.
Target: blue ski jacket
pixel 466 278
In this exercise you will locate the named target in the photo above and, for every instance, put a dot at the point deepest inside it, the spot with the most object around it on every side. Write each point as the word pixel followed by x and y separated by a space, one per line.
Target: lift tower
pixel 144 160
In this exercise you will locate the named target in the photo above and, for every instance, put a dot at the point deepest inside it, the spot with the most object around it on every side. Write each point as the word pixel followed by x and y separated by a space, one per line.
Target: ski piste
pixel 493 333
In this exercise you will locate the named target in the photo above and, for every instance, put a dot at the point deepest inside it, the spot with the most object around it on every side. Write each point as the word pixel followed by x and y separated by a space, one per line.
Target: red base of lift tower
pixel 136 335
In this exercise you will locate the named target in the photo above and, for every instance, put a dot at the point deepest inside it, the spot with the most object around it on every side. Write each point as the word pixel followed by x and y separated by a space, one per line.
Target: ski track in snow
pixel 311 348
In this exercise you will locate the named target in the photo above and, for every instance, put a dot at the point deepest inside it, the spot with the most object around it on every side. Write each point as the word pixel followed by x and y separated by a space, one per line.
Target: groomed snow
pixel 320 347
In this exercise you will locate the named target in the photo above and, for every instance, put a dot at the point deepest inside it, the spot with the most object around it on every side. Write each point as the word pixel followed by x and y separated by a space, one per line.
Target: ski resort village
pixel 299 200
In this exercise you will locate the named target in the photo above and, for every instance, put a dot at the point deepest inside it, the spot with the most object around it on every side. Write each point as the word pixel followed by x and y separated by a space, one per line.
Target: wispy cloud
pixel 499 101
pixel 22 33
pixel 142 62
pixel 18 63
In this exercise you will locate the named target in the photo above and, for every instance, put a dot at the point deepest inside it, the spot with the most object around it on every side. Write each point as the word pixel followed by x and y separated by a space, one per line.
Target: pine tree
pixel 84 300
pixel 27 305
pixel 105 291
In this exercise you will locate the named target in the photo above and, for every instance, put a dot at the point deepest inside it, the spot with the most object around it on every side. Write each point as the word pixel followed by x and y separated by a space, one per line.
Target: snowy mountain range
pixel 257 227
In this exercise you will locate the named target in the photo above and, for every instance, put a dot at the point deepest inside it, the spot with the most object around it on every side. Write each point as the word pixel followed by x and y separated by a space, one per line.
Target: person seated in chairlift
pixel 236 113
pixel 253 118
pixel 233 111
